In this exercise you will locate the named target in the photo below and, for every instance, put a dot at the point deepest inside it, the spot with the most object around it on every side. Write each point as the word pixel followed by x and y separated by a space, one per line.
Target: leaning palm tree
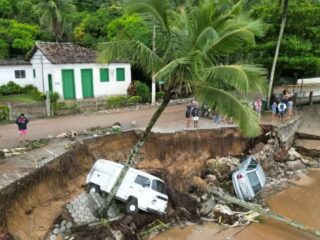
pixel 192 57
pixel 52 15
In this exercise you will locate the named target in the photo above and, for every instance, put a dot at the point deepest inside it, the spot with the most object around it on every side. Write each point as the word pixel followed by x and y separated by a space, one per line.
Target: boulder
pixel 198 183
pixel 210 178
pixel 207 206
pixel 293 155
pixel 295 165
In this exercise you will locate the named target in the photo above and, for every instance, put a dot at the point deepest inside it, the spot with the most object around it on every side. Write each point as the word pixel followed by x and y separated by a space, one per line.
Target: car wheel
pixel 93 188
pixel 132 206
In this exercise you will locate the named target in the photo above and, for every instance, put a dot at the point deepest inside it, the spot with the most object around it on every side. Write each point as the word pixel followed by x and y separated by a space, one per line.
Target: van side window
pixel 143 181
pixel 159 186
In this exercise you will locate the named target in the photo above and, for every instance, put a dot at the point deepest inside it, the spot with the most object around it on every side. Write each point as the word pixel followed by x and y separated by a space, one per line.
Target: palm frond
pixel 156 10
pixel 240 77
pixel 132 51
pixel 225 103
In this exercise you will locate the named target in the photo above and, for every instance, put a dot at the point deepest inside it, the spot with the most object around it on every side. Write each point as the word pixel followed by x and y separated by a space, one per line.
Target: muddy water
pixel 300 202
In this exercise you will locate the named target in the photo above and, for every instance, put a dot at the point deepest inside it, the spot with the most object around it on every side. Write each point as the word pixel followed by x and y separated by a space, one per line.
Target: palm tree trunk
pixel 265 212
pixel 134 152
pixel 153 86
pixel 275 59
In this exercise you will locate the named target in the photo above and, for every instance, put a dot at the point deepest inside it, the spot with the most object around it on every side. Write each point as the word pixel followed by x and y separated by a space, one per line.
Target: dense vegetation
pixel 89 22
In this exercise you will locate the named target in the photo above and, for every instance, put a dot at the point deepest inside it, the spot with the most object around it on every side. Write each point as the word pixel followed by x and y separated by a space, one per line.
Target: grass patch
pixel 21 98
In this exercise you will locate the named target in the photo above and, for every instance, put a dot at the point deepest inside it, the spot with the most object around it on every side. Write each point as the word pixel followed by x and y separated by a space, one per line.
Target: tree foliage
pixel 300 45
pixel 17 38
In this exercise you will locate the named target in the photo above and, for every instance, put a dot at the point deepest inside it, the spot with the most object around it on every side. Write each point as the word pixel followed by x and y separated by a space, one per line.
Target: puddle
pixel 300 202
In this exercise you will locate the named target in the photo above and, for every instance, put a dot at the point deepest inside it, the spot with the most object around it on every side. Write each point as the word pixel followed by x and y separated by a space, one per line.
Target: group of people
pixel 284 106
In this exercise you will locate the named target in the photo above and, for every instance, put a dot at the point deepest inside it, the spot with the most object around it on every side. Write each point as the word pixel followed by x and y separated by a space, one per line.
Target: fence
pixel 32 110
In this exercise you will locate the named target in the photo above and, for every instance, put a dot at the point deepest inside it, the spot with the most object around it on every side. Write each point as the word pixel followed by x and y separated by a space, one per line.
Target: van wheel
pixel 93 188
pixel 132 206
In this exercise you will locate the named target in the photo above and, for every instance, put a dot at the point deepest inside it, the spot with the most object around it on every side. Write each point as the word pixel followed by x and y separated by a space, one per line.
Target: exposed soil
pixel 28 208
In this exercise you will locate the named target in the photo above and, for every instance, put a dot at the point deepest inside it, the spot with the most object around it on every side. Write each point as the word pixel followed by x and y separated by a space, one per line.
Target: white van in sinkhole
pixel 139 190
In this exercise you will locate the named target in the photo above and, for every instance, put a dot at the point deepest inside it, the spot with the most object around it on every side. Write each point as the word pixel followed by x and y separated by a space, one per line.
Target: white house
pixel 72 71
pixel 16 70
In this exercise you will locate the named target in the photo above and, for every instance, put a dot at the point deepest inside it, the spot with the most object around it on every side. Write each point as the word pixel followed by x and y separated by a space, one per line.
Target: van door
pixel 159 195
pixel 140 189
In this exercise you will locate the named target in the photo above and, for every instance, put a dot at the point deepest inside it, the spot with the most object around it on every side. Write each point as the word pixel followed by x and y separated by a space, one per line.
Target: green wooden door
pixel 50 82
pixel 68 84
pixel 87 83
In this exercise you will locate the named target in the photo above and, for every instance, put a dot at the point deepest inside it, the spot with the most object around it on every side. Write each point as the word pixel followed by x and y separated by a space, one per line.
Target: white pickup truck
pixel 139 190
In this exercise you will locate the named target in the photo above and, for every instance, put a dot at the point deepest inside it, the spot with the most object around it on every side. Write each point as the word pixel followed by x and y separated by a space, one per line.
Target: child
pixel 281 108
pixel 22 122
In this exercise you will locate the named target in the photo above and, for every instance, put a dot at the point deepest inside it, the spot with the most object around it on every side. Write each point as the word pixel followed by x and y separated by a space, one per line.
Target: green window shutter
pixel 34 73
pixel 120 74
pixel 104 75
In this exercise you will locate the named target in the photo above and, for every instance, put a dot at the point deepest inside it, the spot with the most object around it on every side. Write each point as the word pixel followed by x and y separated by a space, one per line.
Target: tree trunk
pixel 153 85
pixel 265 212
pixel 275 59
pixel 134 152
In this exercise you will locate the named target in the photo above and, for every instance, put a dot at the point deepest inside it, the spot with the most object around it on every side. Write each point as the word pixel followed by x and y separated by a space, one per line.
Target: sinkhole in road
pixel 28 208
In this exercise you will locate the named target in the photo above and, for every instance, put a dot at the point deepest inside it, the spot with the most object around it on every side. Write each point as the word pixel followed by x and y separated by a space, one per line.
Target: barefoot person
pixel 22 122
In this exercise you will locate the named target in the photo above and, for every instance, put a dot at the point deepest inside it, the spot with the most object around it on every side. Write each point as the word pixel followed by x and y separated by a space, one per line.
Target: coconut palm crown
pixel 192 54
pixel 52 15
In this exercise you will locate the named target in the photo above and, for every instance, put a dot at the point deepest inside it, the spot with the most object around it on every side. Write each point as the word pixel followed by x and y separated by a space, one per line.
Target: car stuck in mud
pixel 139 190
pixel 249 179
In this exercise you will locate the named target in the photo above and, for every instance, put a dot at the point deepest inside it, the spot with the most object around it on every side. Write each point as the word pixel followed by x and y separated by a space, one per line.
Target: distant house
pixel 16 70
pixel 73 72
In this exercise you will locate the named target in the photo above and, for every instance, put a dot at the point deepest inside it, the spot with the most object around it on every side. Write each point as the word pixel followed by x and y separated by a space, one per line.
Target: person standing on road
pixel 281 108
pixel 188 115
pixel 290 106
pixel 22 123
pixel 258 105
pixel 274 111
pixel 195 115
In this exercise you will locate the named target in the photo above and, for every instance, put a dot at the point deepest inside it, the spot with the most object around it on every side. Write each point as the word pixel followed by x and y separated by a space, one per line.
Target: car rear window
pixel 143 181
pixel 253 165
pixel 254 181
pixel 159 187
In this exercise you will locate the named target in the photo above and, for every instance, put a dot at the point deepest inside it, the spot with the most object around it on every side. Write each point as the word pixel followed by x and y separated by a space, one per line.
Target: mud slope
pixel 29 207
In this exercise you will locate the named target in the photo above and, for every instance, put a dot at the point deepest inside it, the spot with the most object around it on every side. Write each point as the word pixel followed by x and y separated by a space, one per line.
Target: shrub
pixel 10 88
pixel 28 88
pixel 116 101
pixel 143 91
pixel 36 95
pixel 4 112
pixel 134 100
pixel 159 95
pixel 54 97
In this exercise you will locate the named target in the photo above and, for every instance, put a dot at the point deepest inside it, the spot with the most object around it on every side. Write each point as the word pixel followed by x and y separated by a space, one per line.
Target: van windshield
pixel 159 187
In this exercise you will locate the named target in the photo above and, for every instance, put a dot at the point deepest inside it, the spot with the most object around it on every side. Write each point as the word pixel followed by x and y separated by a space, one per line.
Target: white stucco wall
pixel 113 87
pixel 7 74
pixel 309 80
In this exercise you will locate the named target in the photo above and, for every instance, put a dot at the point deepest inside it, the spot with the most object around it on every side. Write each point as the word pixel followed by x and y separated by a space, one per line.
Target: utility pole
pixel 153 85
pixel 275 59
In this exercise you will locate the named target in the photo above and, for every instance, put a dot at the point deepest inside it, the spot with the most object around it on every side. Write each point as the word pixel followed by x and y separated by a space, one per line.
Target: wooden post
pixel 48 103
pixel 310 98
pixel 265 212
pixel 10 112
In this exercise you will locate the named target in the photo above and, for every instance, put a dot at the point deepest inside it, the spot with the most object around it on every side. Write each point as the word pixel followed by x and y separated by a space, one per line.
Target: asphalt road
pixel 42 128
